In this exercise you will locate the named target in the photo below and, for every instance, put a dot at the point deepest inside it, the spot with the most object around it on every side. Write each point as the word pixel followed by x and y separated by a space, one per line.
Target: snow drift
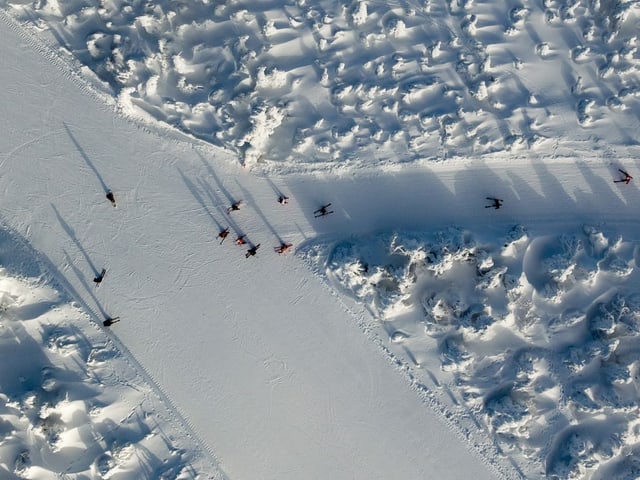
pixel 535 336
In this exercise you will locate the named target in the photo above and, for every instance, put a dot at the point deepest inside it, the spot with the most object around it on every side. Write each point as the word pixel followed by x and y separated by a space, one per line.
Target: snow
pixel 413 334
pixel 534 334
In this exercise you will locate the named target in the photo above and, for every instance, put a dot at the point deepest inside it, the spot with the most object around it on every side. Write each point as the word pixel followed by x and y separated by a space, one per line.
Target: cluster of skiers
pixel 241 239
pixel 324 210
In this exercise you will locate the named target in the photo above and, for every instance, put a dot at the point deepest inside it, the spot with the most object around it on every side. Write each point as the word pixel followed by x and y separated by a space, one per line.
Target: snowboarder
pixel 627 178
pixel 223 234
pixel 283 200
pixel 283 248
pixel 497 203
pixel 110 321
pixel 100 277
pixel 234 206
pixel 241 240
pixel 322 211
pixel 111 198
pixel 252 251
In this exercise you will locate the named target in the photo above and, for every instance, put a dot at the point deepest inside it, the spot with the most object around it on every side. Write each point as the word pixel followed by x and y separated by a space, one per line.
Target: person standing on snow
pixel 323 211
pixel 98 279
pixel 234 206
pixel 110 321
pixel 223 234
pixel 626 179
pixel 111 198
pixel 283 248
pixel 497 203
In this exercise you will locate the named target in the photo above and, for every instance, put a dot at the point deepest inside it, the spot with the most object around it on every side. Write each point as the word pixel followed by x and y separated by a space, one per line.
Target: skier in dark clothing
pixel 497 203
pixel 627 178
pixel 223 234
pixel 283 248
pixel 283 200
pixel 100 277
pixel 111 198
pixel 234 206
pixel 322 211
pixel 252 251
pixel 110 321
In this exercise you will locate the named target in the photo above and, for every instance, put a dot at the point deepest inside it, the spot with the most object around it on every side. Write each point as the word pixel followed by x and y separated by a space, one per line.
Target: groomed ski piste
pixel 414 333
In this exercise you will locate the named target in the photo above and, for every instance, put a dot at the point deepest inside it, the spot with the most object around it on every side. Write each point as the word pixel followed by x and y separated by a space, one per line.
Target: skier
pixel 241 240
pixel 627 178
pixel 322 211
pixel 252 251
pixel 110 321
pixel 283 200
pixel 100 277
pixel 234 206
pixel 497 203
pixel 223 234
pixel 283 248
pixel 111 198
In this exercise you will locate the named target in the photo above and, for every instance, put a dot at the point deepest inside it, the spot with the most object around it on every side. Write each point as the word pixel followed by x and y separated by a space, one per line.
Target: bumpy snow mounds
pixel 71 405
pixel 316 85
pixel 536 338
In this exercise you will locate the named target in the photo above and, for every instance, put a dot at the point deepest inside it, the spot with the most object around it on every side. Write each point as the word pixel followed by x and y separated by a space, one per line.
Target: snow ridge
pixel 336 86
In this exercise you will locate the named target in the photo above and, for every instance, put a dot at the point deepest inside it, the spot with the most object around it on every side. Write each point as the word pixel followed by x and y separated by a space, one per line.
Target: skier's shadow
pixel 65 284
pixel 279 193
pixel 230 198
pixel 86 159
pixel 85 284
pixel 72 235
pixel 215 200
pixel 260 213
pixel 196 194
pixel 602 192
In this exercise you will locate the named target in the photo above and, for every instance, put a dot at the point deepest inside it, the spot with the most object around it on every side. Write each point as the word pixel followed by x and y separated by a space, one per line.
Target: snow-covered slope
pixel 279 375
pixel 268 368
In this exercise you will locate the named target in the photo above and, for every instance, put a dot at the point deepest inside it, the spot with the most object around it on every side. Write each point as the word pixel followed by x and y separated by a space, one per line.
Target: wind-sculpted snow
pixel 319 85
pixel 71 405
pixel 536 337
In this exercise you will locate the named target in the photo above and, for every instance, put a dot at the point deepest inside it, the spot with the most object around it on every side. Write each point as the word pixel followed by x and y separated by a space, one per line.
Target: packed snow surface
pixel 414 333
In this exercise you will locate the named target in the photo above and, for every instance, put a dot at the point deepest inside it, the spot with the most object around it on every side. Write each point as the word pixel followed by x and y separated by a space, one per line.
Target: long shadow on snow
pixel 84 283
pixel 602 192
pixel 260 213
pixel 86 159
pixel 215 200
pixel 196 194
pixel 212 172
pixel 421 201
pixel 72 235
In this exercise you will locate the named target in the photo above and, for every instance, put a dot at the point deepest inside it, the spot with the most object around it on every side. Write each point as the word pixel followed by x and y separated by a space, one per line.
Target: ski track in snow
pixel 158 281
